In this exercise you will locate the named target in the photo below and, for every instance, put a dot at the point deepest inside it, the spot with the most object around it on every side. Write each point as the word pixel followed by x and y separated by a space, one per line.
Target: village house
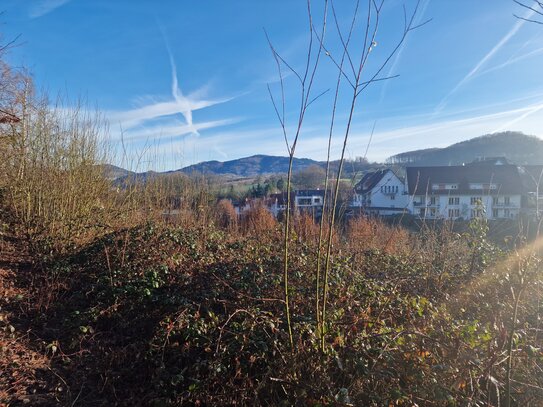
pixel 380 193
pixel 465 192
pixel 307 200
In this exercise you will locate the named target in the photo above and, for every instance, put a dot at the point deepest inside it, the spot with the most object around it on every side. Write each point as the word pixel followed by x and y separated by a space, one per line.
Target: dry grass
pixel 364 233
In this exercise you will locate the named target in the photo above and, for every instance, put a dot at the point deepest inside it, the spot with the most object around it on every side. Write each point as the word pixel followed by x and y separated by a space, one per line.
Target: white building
pixel 304 200
pixel 465 192
pixel 380 193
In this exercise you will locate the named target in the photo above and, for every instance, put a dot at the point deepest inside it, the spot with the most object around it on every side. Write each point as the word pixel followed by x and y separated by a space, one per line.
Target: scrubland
pixel 107 301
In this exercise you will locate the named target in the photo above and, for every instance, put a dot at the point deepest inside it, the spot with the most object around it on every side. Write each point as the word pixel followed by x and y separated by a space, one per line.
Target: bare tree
pixel 305 80
pixel 536 7
pixel 353 76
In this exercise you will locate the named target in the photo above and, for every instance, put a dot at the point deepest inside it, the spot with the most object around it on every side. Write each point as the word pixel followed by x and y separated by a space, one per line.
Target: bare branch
pixel 10 44
pixel 378 80
pixel 346 44
pixel 410 27
pixel 527 19
pixel 529 7
pixel 317 97
pixel 328 54
pixel 319 50
pixel 280 58
pixel 281 121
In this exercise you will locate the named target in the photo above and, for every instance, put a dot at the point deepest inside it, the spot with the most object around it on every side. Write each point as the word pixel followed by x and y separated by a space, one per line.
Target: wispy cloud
pixel 42 7
pixel 138 116
pixel 403 136
pixel 172 130
pixel 445 132
pixel 513 60
pixel 483 61
pixel 528 112
pixel 141 123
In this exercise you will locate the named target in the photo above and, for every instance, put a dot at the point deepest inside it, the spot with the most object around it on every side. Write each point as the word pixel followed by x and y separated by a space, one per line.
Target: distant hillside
pixel 249 166
pixel 517 147
pixel 113 172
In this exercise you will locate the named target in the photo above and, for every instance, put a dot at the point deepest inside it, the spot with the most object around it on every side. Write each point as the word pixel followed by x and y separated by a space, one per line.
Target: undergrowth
pixel 156 315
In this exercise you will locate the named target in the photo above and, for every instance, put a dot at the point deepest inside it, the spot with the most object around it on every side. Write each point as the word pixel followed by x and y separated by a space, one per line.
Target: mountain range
pixel 516 147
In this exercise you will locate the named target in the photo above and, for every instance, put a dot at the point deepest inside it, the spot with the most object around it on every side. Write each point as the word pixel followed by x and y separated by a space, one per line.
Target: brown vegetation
pixel 149 292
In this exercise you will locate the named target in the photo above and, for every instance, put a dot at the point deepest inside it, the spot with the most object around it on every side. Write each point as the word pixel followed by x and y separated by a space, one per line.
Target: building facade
pixel 380 193
pixel 465 192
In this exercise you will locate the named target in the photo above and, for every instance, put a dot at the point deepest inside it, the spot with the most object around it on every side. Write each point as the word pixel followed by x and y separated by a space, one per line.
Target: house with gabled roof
pixel 465 192
pixel 380 193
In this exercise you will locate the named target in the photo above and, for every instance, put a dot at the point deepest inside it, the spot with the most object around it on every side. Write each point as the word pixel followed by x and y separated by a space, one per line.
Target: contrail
pixel 477 67
pixel 530 112
pixel 183 103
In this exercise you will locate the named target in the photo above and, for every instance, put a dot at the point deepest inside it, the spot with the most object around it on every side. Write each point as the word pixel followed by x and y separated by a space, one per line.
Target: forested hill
pixel 250 166
pixel 517 147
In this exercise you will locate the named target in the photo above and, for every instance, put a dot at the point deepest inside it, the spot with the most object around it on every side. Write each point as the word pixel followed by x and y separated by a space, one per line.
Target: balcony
pixel 426 204
pixel 505 205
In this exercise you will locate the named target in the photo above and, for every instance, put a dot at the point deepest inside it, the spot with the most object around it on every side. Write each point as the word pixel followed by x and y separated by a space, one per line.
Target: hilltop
pixel 249 166
pixel 517 147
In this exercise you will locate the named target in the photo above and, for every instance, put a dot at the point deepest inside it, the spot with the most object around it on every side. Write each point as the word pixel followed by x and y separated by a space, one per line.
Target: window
pixel 506 213
pixel 495 200
pixel 433 212
pixel 476 200
pixel 432 200
pixel 317 201
pixel 304 201
pixel 476 213
pixel 506 200
pixel 454 200
pixel 495 213
pixel 392 197
pixel 454 213
pixel 444 186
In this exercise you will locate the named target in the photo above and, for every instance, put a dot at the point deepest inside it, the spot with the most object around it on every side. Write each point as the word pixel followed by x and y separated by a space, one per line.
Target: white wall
pixel 383 199
pixel 443 206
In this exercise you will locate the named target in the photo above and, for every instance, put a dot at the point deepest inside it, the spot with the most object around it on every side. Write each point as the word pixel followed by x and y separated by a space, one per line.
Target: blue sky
pixel 185 81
